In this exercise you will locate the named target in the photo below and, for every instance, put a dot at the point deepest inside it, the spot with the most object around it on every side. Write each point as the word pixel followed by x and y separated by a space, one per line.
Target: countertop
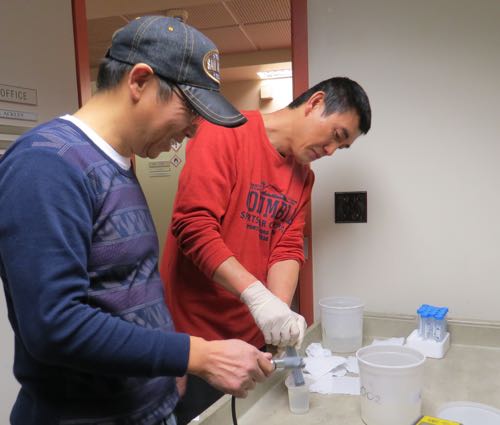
pixel 466 373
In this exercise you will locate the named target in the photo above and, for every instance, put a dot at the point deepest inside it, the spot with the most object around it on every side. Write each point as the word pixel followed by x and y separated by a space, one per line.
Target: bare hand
pixel 232 366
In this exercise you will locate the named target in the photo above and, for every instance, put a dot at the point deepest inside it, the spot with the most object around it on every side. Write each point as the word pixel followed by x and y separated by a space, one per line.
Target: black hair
pixel 111 73
pixel 341 95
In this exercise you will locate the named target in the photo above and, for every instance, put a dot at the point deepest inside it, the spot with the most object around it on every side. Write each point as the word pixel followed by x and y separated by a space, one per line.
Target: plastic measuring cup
pixel 342 323
pixel 298 396
pixel 391 379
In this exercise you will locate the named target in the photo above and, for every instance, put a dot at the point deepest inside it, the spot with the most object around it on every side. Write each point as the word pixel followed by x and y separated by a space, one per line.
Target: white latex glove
pixel 302 324
pixel 280 325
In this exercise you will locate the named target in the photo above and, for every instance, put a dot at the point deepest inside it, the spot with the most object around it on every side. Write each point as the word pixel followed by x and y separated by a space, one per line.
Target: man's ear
pixel 316 100
pixel 138 78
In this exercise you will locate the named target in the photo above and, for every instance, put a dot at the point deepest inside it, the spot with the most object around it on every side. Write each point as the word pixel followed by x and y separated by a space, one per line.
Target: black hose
pixel 233 410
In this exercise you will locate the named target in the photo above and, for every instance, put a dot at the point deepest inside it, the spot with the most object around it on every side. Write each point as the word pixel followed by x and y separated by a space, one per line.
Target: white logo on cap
pixel 211 65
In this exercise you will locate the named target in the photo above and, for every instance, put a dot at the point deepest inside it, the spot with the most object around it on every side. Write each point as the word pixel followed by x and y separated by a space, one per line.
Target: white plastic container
pixel 298 396
pixel 342 323
pixel 429 347
pixel 470 413
pixel 391 378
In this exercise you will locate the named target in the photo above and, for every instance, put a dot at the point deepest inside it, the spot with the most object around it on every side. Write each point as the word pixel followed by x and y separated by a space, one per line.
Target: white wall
pixel 36 52
pixel 245 95
pixel 159 179
pixel 430 163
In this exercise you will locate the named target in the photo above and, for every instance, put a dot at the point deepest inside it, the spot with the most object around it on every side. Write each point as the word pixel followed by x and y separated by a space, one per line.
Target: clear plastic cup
pixel 342 323
pixel 298 396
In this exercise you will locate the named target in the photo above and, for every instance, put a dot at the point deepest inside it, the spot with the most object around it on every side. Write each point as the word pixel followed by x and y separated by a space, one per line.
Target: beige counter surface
pixel 466 373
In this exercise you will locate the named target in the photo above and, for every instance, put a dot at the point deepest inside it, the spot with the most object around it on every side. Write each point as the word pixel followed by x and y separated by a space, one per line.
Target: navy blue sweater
pixel 94 342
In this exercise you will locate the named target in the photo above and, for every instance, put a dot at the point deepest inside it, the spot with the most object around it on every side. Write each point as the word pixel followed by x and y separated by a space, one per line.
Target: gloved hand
pixel 302 324
pixel 280 325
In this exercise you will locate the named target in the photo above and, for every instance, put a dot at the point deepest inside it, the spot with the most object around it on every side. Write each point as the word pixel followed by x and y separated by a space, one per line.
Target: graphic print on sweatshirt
pixel 268 210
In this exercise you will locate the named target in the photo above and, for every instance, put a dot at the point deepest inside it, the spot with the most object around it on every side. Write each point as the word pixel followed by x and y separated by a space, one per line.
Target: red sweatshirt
pixel 238 197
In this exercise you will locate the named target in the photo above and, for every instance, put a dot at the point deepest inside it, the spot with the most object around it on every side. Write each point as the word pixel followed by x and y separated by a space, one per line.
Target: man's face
pixel 166 122
pixel 322 135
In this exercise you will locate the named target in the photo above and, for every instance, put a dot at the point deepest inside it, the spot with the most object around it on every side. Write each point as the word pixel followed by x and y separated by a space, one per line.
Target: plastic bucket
pixel 391 378
pixel 342 323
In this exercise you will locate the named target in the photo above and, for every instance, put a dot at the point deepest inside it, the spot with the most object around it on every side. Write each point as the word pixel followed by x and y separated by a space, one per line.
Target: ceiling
pixel 251 35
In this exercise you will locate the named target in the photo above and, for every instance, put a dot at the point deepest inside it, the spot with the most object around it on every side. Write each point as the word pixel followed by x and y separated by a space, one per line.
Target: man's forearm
pixel 233 276
pixel 282 279
pixel 279 325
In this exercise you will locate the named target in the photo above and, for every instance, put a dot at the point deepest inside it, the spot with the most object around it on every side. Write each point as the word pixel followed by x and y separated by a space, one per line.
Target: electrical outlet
pixel 350 207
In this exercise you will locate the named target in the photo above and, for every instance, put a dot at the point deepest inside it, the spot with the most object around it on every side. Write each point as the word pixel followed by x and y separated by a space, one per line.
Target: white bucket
pixel 342 323
pixel 391 379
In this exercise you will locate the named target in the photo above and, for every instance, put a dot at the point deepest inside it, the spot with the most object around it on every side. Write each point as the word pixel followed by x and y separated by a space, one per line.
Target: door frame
pixel 82 61
pixel 300 62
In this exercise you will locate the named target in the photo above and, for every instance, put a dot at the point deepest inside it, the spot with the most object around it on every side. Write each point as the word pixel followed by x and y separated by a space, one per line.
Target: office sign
pixel 18 115
pixel 15 94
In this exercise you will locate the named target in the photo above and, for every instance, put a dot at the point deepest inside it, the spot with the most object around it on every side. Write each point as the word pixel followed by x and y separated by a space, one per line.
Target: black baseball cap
pixel 181 55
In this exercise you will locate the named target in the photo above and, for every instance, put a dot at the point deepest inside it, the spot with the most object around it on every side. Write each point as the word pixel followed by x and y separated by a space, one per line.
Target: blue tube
pixel 421 328
pixel 440 324
pixel 428 322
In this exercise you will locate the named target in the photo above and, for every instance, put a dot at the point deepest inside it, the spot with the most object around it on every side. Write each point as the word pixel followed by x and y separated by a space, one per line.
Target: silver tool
pixel 289 363
pixel 298 377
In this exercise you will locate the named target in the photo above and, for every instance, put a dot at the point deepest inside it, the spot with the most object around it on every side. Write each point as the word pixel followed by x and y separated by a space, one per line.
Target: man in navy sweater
pixel 94 342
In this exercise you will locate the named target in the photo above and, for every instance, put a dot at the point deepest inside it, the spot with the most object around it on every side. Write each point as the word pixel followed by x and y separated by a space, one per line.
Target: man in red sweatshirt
pixel 235 246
